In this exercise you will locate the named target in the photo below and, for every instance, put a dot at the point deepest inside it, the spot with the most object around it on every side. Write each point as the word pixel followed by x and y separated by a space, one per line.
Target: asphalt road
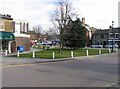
pixel 98 71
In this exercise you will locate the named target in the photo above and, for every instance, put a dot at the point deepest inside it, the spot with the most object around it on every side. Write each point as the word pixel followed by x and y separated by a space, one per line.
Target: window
pixel 102 36
pixel 1 24
pixel 116 35
pixel 110 35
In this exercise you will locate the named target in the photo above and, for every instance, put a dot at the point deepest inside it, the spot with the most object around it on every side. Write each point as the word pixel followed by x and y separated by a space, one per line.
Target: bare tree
pixel 38 30
pixel 60 18
pixel 52 34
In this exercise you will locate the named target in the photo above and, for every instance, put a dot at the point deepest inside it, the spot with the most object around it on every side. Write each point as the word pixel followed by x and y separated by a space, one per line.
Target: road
pixel 97 71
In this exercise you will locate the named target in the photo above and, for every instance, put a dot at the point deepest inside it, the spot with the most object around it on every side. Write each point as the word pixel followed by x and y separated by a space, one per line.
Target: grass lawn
pixel 47 54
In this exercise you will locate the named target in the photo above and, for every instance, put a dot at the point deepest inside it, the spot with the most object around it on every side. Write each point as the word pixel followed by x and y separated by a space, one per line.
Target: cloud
pixel 98 13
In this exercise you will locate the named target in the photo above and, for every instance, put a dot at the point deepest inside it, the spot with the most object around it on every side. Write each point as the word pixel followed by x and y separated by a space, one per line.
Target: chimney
pixel 83 21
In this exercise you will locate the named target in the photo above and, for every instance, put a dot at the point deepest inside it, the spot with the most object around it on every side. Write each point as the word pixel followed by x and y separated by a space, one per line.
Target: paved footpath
pixel 18 61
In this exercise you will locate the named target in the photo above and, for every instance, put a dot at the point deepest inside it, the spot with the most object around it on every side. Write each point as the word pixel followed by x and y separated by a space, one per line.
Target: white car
pixel 110 46
pixel 96 46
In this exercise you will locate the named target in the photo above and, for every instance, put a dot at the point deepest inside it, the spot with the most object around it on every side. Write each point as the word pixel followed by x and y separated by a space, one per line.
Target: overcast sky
pixel 98 13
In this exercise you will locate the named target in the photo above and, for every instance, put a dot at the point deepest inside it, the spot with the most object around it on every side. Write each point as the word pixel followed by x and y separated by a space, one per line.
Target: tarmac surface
pixel 92 71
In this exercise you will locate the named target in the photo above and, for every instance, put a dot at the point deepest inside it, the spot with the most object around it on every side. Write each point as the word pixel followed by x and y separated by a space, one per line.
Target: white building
pixel 20 28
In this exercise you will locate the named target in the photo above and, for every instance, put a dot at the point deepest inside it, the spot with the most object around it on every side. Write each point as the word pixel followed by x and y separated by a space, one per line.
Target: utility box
pixel 20 48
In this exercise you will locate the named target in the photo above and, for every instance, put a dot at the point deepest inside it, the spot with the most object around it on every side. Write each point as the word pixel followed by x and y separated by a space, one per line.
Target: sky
pixel 97 13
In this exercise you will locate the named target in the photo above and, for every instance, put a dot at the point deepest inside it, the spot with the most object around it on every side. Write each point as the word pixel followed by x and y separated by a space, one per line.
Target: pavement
pixel 18 61
pixel 7 60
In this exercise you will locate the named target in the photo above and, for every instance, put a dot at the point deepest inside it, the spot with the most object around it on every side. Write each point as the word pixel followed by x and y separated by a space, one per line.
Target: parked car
pixel 96 46
pixel 47 43
pixel 110 46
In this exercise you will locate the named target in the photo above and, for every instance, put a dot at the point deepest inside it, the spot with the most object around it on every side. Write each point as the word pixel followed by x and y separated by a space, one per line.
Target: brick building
pixel 105 37
pixel 11 34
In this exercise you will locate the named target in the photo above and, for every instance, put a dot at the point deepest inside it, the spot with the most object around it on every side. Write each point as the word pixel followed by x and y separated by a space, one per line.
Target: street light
pixel 112 35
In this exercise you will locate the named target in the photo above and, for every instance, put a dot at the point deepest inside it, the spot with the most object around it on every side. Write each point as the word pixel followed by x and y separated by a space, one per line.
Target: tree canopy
pixel 75 35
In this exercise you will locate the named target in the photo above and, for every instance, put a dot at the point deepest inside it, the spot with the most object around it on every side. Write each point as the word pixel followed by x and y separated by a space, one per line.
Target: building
pixel 88 31
pixel 6 23
pixel 12 34
pixel 20 27
pixel 105 37
pixel 7 38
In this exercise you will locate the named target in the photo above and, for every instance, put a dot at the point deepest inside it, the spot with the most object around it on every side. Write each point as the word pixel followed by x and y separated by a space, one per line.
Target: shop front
pixel 7 41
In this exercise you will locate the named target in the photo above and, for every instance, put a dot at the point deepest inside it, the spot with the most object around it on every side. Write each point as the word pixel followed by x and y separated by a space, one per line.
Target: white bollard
pixel 87 53
pixel 33 54
pixel 116 49
pixel 53 55
pixel 109 50
pixel 18 54
pixel 71 54
pixel 6 52
pixel 99 51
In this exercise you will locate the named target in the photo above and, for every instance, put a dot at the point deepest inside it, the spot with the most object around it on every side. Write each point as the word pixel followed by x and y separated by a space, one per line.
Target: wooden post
pixel 87 53
pixel 99 51
pixel 18 54
pixel 71 54
pixel 33 54
pixel 53 55
pixel 109 50
pixel 6 52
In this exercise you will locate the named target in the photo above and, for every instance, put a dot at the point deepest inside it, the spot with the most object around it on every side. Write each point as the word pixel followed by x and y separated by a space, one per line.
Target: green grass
pixel 47 54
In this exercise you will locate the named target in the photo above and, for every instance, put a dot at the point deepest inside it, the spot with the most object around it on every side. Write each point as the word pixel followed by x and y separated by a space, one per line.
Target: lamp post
pixel 112 35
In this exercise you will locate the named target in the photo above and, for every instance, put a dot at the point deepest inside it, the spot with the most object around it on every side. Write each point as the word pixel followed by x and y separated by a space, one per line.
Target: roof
pixel 106 31
pixel 88 28
pixel 6 16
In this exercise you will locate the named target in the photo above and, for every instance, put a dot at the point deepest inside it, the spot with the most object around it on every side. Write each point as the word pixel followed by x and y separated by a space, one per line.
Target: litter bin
pixel 20 48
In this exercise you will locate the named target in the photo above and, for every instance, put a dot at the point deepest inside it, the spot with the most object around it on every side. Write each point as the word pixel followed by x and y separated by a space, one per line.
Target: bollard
pixel 6 52
pixel 99 51
pixel 109 50
pixel 116 49
pixel 53 55
pixel 71 54
pixel 33 54
pixel 18 54
pixel 87 53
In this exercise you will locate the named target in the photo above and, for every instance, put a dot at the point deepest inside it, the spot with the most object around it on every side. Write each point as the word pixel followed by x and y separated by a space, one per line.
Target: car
pixel 110 46
pixel 96 46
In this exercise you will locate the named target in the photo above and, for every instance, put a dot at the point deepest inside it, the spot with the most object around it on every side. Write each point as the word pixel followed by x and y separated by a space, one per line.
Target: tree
pixel 52 34
pixel 75 36
pixel 38 30
pixel 60 18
